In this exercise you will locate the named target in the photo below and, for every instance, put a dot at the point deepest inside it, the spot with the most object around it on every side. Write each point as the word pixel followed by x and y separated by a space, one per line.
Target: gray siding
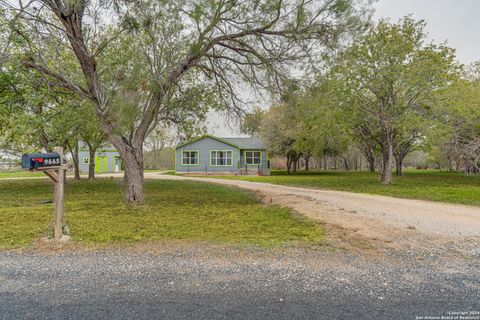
pixel 207 144
pixel 263 167
pixel 204 146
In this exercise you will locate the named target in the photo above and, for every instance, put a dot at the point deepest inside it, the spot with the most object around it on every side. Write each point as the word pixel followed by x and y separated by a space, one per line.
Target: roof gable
pixel 241 143
pixel 203 137
pixel 247 143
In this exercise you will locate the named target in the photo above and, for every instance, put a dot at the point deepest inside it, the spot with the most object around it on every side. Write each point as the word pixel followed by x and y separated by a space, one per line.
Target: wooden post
pixel 59 194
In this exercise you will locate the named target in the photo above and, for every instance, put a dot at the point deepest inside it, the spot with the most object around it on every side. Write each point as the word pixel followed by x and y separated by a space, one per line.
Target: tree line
pixel 147 63
pixel 389 93
pixel 120 71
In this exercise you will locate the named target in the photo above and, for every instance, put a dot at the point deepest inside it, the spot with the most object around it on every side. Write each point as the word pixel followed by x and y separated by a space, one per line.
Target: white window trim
pixel 252 158
pixel 189 158
pixel 216 158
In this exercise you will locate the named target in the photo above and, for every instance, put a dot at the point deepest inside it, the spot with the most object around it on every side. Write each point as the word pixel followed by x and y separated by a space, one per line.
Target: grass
pixel 415 184
pixel 19 174
pixel 176 210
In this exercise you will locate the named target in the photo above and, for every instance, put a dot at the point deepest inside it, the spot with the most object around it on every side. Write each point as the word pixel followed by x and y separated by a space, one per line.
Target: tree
pixel 323 129
pixel 278 133
pixel 251 122
pixel 91 135
pixel 410 136
pixel 368 143
pixel 389 74
pixel 39 116
pixel 308 123
pixel 159 139
pixel 455 136
pixel 139 58
pixel 160 153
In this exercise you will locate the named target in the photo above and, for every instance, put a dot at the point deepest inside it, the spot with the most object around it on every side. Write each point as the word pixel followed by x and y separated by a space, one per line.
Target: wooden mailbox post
pixel 51 164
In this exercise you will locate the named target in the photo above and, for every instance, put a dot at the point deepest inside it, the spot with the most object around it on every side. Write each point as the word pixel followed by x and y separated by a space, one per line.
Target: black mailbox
pixel 40 160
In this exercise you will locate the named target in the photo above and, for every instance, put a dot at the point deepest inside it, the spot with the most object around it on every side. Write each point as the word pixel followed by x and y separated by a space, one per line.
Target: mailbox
pixel 40 160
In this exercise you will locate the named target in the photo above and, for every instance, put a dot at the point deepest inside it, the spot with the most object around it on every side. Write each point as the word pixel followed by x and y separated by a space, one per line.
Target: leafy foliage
pixel 251 122
pixel 455 135
pixel 388 78
pixel 149 62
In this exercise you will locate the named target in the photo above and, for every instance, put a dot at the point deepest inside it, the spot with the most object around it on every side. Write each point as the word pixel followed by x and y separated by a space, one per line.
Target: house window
pixel 221 157
pixel 86 160
pixel 190 157
pixel 253 157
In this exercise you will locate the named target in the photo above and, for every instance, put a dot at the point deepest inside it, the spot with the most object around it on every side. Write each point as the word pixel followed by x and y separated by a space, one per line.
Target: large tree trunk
pixel 387 152
pixel 133 178
pixel 91 163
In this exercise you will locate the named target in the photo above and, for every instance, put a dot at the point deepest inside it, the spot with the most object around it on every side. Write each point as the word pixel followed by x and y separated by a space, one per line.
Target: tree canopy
pixel 385 95
pixel 147 62
pixel 389 76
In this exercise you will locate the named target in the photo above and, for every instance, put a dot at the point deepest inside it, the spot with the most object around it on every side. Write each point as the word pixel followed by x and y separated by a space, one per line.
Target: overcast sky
pixel 453 21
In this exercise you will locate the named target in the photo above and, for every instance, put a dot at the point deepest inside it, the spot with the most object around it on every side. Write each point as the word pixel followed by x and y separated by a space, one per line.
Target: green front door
pixel 101 164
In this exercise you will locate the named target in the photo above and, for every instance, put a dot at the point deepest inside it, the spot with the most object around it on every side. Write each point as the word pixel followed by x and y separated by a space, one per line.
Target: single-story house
pixel 107 159
pixel 212 155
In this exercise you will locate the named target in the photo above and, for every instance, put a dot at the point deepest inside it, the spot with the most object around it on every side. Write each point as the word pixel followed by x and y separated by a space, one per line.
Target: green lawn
pixel 415 184
pixel 19 174
pixel 176 210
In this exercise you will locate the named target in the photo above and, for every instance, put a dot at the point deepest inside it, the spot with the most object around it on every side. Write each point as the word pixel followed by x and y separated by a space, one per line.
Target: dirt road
pixel 403 224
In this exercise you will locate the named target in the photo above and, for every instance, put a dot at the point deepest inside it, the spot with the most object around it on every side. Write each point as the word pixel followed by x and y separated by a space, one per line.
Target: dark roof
pixel 242 143
pixel 246 143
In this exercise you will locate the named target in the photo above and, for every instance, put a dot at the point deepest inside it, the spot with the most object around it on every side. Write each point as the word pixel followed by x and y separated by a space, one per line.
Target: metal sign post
pixel 52 165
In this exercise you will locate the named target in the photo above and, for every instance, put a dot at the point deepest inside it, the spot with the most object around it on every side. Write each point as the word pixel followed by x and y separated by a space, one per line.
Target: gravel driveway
pixel 385 222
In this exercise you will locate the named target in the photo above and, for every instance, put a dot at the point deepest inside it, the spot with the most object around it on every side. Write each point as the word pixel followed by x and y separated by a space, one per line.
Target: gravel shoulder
pixel 213 283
